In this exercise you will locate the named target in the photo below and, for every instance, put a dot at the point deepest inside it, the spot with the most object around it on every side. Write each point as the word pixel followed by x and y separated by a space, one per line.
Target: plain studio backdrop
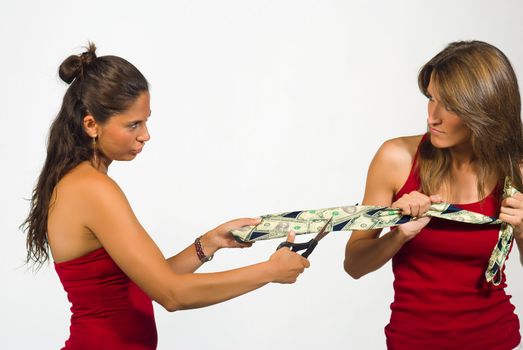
pixel 257 107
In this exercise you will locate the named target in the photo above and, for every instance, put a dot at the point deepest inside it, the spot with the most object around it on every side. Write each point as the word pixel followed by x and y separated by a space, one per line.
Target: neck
pixel 462 156
pixel 101 164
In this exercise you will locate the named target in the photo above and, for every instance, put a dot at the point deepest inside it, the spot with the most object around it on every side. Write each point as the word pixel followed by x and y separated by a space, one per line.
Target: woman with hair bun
pixel 474 140
pixel 109 266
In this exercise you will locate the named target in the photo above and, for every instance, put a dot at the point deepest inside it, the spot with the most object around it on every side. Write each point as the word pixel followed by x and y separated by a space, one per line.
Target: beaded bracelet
pixel 199 251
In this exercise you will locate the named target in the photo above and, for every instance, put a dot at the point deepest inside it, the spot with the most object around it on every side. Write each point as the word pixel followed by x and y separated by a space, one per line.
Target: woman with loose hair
pixel 474 140
pixel 109 266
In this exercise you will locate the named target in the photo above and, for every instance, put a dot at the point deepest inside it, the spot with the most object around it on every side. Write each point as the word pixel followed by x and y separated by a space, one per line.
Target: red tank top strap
pixel 412 183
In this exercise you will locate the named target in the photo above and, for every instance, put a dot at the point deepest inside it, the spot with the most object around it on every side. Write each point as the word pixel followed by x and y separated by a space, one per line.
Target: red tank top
pixel 108 310
pixel 441 299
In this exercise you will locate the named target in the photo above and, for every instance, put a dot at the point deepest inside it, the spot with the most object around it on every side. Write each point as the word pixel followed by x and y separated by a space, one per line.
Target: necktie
pixel 367 217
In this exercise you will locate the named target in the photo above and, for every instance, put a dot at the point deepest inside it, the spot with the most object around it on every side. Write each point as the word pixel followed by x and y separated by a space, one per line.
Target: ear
pixel 90 126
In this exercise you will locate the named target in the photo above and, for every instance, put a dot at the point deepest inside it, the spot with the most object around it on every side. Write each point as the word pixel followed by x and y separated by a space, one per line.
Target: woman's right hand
pixel 415 204
pixel 287 264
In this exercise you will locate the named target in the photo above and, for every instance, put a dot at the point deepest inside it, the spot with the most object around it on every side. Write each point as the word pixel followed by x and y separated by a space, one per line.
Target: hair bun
pixel 74 65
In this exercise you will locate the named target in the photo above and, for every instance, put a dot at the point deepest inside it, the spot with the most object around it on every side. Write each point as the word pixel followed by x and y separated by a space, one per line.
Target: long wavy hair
pixel 99 86
pixel 476 81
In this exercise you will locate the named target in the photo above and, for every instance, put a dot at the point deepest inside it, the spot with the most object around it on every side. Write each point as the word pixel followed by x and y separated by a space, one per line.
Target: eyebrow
pixel 140 120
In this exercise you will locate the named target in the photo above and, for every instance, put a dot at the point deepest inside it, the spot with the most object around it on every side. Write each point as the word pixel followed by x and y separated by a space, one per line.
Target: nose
pixel 144 135
pixel 434 110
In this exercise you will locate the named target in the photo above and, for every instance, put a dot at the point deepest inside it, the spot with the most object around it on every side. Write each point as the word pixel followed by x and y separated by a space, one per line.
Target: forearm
pixel 187 260
pixel 367 255
pixel 198 290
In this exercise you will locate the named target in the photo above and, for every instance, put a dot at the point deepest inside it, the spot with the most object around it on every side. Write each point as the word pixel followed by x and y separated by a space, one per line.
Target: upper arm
pixel 387 173
pixel 108 215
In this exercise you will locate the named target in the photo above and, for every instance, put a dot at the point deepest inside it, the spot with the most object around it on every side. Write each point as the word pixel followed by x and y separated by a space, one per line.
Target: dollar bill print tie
pixel 367 217
pixel 505 238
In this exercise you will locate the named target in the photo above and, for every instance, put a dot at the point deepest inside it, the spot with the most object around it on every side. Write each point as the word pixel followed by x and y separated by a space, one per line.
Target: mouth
pixel 137 151
pixel 435 131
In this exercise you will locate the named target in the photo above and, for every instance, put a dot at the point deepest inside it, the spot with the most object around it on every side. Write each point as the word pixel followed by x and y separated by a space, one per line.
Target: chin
pixel 126 158
pixel 439 143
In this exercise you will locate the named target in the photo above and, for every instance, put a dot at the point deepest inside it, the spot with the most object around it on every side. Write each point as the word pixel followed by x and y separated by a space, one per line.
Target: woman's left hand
pixel 221 237
pixel 512 213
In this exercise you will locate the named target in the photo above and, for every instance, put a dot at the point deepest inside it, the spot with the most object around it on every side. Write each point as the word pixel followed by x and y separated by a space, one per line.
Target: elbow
pixel 349 268
pixel 175 295
pixel 171 307
pixel 171 303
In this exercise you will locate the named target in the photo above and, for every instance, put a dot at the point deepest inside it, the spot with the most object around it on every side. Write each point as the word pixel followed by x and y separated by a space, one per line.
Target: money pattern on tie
pixel 367 217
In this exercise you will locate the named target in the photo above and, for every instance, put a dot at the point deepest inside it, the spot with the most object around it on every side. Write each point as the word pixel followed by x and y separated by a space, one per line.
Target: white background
pixel 258 107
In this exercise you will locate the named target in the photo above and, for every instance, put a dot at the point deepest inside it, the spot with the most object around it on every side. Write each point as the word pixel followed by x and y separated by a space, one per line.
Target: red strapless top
pixel 441 299
pixel 109 311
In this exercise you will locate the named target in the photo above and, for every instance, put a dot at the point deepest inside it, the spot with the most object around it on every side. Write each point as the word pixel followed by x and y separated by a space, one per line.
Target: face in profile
pixel 446 128
pixel 123 136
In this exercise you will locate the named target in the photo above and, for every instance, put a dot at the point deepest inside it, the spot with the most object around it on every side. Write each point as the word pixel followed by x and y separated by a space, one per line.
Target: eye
pixel 431 99
pixel 134 125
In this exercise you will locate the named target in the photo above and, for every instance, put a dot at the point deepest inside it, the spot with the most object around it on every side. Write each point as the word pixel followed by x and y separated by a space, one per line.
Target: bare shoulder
pixel 399 151
pixel 397 155
pixel 393 160
pixel 387 173
pixel 78 198
pixel 86 182
pixel 83 190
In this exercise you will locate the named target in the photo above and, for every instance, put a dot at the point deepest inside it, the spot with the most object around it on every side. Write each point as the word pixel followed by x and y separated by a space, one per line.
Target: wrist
pixel 210 247
pixel 204 254
pixel 270 269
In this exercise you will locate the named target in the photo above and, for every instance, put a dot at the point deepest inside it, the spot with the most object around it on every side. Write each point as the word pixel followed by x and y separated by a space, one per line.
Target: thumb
pixel 238 223
pixel 290 236
pixel 251 221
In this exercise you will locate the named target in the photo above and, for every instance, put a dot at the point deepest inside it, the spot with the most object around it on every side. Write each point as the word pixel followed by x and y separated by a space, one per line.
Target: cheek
pixel 117 139
pixel 125 142
pixel 460 129
pixel 454 122
pixel 126 136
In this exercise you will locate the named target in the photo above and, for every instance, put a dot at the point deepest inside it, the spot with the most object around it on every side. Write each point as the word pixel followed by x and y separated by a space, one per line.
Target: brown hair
pixel 99 86
pixel 476 81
